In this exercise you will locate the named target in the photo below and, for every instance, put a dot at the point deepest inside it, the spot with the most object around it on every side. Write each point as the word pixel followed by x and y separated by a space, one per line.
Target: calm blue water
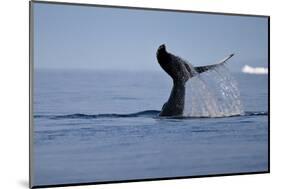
pixel 80 136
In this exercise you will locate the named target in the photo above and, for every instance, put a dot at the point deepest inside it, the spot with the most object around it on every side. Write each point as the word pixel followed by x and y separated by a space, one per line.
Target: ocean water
pixel 92 126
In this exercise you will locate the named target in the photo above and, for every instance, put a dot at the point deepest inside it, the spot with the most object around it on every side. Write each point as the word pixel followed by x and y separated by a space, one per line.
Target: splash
pixel 213 93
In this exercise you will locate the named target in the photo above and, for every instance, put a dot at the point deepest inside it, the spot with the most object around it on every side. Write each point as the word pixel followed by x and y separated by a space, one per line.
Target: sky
pixel 80 37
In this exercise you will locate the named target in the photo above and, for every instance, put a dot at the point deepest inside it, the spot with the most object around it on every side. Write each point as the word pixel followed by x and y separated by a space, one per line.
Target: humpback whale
pixel 180 71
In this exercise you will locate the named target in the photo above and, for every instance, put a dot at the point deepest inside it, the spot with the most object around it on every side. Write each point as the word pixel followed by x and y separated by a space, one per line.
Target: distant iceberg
pixel 254 70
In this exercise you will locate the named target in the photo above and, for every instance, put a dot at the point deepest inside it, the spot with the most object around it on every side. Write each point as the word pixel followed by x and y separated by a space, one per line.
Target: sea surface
pixel 92 126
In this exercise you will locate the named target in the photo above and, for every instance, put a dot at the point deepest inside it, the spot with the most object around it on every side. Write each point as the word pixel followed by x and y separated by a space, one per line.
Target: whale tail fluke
pixel 172 65
pixel 179 69
pixel 201 69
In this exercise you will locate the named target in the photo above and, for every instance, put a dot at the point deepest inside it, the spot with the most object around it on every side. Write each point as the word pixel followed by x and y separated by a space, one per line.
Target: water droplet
pixel 213 93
